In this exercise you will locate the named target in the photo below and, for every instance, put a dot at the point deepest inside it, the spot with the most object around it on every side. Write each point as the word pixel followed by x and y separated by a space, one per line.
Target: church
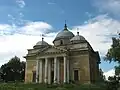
pixel 70 59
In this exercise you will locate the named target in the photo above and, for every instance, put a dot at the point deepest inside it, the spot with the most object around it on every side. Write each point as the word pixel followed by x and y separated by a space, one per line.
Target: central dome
pixel 64 34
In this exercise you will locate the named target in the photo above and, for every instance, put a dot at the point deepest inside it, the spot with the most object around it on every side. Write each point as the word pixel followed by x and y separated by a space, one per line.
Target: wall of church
pixel 76 46
pixel 30 67
pixel 80 63
pixel 94 67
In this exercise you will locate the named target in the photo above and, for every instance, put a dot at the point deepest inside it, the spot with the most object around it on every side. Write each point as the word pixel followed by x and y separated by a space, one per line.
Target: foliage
pixel 14 70
pixel 111 78
pixel 101 76
pixel 117 70
pixel 113 53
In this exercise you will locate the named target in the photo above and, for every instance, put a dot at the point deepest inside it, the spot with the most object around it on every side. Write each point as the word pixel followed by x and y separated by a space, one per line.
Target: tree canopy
pixel 14 70
pixel 113 53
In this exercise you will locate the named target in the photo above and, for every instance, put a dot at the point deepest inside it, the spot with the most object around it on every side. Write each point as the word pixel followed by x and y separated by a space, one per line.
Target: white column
pixel 46 70
pixel 58 71
pixel 37 71
pixel 68 68
pixel 40 71
pixel 49 72
pixel 55 69
pixel 65 73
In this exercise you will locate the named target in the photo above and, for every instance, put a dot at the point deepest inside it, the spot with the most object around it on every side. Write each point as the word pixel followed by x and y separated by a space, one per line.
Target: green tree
pixel 117 70
pixel 113 54
pixel 101 76
pixel 14 70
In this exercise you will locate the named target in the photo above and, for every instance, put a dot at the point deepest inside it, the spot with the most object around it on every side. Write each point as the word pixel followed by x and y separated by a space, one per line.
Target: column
pixel 68 72
pixel 55 70
pixel 49 72
pixel 46 70
pixel 26 72
pixel 40 71
pixel 37 71
pixel 65 73
pixel 58 71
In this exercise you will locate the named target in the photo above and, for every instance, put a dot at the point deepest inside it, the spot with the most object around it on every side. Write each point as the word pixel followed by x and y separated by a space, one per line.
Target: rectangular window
pixel 76 75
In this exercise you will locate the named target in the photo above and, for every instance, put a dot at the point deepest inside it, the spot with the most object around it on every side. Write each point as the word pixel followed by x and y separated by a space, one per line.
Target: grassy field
pixel 21 86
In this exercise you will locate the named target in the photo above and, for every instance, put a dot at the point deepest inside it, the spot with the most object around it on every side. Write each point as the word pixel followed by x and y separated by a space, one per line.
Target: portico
pixel 49 65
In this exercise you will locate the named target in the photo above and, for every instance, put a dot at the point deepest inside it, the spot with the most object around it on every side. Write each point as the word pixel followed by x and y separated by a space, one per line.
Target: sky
pixel 23 21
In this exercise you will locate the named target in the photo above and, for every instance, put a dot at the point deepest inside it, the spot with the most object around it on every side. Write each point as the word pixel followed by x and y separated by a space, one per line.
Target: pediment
pixel 53 49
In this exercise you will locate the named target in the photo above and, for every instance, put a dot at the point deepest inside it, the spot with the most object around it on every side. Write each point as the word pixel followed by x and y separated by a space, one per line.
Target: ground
pixel 21 86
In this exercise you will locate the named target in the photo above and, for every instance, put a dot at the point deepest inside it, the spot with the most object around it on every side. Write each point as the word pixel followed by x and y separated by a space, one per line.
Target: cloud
pixel 21 34
pixel 5 27
pixel 30 28
pixel 108 6
pixel 18 19
pixel 51 3
pixel 99 32
pixel 17 41
pixel 20 3
pixel 35 28
pixel 109 73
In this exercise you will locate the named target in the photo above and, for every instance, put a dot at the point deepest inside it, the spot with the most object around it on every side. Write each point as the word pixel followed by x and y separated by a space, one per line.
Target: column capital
pixel 46 58
pixel 64 56
pixel 55 57
pixel 37 58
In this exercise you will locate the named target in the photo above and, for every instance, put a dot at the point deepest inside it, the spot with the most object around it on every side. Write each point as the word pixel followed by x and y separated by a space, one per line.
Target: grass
pixel 22 86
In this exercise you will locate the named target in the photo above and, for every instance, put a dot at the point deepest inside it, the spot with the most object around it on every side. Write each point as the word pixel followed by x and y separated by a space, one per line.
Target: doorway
pixel 34 76
pixel 76 75
pixel 52 76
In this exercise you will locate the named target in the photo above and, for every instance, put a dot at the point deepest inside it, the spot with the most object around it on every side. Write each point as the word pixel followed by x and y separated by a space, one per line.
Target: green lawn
pixel 21 86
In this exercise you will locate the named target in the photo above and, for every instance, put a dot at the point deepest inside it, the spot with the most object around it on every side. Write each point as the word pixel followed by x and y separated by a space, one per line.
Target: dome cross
pixel 65 27
pixel 77 31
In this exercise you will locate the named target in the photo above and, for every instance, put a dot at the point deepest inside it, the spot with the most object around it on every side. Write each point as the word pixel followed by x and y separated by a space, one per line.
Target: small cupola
pixel 40 44
pixel 78 38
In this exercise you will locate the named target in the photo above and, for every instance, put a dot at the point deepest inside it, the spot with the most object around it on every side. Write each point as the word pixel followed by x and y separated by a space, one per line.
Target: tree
pixel 14 70
pixel 117 70
pixel 113 53
pixel 111 78
pixel 101 76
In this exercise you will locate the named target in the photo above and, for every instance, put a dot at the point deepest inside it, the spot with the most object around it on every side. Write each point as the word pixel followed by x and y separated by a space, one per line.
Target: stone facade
pixel 71 58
